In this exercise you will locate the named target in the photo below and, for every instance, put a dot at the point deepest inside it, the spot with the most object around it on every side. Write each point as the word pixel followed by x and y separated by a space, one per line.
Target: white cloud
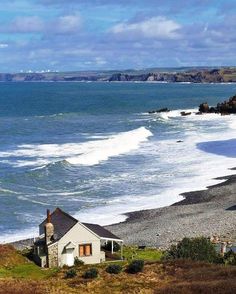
pixel 155 27
pixel 34 24
pixel 68 23
pixel 28 24
pixel 100 61
pixel 3 45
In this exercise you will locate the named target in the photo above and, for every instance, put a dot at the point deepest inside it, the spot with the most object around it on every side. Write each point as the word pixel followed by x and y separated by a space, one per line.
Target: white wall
pixel 80 235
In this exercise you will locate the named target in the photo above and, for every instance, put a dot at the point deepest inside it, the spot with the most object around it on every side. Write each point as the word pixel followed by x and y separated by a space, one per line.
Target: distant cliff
pixel 218 75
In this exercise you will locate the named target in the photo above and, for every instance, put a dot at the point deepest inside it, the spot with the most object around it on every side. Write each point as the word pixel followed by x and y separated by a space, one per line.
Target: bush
pixel 114 269
pixel 78 262
pixel 230 258
pixel 200 249
pixel 107 246
pixel 71 273
pixel 135 266
pixel 91 273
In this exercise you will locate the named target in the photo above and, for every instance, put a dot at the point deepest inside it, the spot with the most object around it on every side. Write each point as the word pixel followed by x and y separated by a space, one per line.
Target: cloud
pixel 103 34
pixel 65 24
pixel 3 45
pixel 28 24
pixel 155 27
pixel 100 61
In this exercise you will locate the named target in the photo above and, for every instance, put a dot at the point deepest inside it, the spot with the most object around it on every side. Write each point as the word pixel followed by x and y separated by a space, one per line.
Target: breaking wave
pixel 88 153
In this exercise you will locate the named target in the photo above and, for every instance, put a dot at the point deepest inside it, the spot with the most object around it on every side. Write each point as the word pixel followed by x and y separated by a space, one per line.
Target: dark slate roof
pixel 100 231
pixel 62 222
pixel 40 242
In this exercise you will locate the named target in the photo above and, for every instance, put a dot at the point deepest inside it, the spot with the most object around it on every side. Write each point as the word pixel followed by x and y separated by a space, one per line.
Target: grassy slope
pixel 157 277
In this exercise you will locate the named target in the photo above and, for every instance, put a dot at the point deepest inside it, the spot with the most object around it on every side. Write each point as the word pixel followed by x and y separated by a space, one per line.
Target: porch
pixel 111 249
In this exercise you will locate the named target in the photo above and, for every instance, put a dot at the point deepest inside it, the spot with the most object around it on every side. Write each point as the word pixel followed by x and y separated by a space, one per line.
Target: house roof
pixel 63 222
pixel 101 231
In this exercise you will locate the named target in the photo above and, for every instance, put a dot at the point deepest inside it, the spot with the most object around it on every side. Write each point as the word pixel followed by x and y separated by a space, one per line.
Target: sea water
pixel 93 149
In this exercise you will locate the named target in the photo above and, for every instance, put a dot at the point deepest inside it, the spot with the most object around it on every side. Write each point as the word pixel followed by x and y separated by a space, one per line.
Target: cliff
pixel 189 75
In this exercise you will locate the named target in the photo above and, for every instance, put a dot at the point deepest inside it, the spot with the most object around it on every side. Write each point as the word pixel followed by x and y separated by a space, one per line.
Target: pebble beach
pixel 210 212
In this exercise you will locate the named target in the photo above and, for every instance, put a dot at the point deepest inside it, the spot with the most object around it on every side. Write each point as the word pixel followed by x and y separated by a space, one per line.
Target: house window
pixel 85 250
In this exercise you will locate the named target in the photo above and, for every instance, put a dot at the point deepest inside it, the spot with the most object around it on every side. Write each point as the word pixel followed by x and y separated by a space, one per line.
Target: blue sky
pixel 105 34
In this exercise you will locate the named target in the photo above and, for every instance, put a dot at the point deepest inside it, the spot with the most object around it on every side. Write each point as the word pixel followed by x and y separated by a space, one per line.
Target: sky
pixel 69 35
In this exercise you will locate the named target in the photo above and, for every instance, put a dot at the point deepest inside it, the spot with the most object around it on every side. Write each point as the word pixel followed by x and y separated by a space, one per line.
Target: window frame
pixel 84 249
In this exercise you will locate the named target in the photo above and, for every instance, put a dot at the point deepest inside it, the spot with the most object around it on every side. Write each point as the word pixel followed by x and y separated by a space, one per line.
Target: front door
pixel 70 257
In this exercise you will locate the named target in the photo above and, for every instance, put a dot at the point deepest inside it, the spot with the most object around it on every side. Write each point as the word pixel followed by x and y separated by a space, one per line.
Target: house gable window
pixel 85 250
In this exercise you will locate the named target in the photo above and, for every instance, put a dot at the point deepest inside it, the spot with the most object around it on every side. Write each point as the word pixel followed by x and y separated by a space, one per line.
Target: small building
pixel 62 238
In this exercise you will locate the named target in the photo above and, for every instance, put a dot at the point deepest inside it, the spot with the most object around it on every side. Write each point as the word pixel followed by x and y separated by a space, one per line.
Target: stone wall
pixel 53 255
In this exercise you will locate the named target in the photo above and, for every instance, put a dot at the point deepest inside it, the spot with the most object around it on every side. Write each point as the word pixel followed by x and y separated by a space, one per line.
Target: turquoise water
pixel 93 150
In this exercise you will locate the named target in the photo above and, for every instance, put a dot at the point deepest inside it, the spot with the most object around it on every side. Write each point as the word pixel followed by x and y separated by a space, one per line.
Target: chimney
pixel 48 229
pixel 48 216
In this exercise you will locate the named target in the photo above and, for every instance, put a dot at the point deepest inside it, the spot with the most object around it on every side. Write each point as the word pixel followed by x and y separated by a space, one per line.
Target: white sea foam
pixel 88 153
pixel 19 235
pixel 184 167
pixel 174 167
pixel 116 145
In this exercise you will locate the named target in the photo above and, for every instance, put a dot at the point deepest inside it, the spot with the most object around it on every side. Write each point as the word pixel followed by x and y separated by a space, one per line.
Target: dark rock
pixel 224 108
pixel 183 113
pixel 213 110
pixel 204 107
pixel 227 107
pixel 159 110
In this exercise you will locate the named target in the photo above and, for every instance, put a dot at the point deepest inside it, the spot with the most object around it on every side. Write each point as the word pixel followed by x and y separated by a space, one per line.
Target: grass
pixel 10 257
pixel 13 264
pixel 148 254
pixel 27 271
pixel 179 276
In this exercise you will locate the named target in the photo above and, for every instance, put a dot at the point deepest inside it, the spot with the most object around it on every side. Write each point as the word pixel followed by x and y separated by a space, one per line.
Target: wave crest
pixel 115 145
pixel 88 153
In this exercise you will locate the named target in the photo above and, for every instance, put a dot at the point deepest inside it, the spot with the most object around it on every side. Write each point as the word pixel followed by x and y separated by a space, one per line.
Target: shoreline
pixel 161 227
pixel 201 213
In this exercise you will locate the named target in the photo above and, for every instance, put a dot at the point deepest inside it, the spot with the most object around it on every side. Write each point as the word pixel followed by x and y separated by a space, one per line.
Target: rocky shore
pixel 202 213
pixel 210 212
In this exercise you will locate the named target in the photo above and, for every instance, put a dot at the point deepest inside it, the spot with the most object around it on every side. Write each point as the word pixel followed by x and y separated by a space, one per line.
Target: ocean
pixel 93 150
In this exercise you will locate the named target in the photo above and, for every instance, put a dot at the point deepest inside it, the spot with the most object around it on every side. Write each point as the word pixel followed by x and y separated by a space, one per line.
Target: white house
pixel 62 238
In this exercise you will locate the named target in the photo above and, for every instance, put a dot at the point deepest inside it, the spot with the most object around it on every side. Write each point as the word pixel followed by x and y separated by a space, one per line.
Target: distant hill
pixel 169 75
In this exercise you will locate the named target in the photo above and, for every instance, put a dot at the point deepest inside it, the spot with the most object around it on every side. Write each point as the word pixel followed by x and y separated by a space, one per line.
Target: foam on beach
pixel 192 164
pixel 183 157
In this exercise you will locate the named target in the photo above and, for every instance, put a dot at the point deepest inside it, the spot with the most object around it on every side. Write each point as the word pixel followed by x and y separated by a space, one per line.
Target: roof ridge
pixel 62 211
pixel 65 213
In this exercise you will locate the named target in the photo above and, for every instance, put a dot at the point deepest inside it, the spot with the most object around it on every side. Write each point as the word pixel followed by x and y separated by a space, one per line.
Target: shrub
pixel 107 246
pixel 78 262
pixel 135 266
pixel 71 273
pixel 91 273
pixel 114 269
pixel 200 249
pixel 230 258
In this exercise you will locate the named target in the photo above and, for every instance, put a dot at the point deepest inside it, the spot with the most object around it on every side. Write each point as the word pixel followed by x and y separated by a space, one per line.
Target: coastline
pixel 202 213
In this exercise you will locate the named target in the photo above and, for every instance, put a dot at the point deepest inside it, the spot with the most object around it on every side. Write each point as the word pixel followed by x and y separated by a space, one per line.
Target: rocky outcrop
pixel 227 106
pixel 184 113
pixel 224 108
pixel 204 107
pixel 159 110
